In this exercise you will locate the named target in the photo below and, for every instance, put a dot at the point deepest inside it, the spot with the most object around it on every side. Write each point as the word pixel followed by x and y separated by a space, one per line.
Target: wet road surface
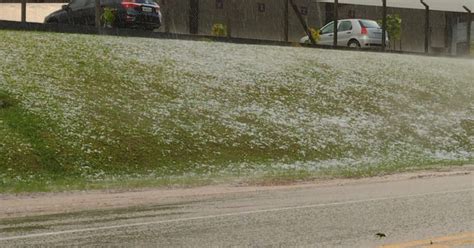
pixel 405 213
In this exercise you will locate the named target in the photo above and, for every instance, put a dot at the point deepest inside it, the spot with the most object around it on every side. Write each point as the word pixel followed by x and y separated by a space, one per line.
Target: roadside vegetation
pixel 83 112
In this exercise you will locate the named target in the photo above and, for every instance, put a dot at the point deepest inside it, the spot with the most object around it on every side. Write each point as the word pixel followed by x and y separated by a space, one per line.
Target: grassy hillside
pixel 80 111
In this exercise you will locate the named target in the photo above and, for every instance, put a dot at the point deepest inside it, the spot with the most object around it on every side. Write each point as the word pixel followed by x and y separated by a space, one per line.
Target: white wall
pixel 35 12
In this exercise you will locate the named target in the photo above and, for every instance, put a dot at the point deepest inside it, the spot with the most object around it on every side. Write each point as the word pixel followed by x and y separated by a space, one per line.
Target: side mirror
pixel 65 7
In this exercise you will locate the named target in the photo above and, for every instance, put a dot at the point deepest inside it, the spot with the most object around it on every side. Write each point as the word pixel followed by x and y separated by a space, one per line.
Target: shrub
pixel 108 17
pixel 315 33
pixel 394 27
pixel 219 30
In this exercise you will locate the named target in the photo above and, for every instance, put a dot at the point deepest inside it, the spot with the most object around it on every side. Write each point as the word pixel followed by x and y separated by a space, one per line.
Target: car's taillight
pixel 129 5
pixel 364 31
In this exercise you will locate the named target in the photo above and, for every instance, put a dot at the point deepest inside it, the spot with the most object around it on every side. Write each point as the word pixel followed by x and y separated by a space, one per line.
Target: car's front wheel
pixel 52 21
pixel 354 44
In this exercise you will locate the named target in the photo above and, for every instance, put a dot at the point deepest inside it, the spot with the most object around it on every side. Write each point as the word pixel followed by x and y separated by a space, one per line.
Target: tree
pixel 394 28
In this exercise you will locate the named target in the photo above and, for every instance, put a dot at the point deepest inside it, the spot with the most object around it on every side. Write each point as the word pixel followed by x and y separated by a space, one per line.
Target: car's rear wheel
pixel 354 44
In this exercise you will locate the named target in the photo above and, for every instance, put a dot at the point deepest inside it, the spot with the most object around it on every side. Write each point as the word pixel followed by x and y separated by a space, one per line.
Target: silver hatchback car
pixel 356 33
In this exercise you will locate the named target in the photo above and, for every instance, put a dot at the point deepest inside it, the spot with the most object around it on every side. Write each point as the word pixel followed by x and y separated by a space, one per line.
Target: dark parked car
pixel 129 13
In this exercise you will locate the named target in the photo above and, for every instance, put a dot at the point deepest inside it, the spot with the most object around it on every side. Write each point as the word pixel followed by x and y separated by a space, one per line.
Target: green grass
pixel 91 112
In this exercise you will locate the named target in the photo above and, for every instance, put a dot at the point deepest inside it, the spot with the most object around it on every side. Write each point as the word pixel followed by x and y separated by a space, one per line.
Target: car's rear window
pixel 145 1
pixel 369 24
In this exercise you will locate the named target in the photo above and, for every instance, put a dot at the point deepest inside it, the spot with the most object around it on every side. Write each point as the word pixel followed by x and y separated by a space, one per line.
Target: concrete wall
pixel 459 40
pixel 175 15
pixel 244 17
pixel 315 18
pixel 246 21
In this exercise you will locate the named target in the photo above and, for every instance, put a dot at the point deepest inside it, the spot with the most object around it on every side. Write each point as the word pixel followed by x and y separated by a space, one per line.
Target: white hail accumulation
pixel 213 81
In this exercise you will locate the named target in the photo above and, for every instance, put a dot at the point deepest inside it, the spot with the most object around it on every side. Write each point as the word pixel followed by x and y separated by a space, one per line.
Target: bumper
pixel 149 21
pixel 367 42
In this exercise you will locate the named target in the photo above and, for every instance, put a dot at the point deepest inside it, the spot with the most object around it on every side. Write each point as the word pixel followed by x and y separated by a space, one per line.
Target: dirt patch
pixel 23 205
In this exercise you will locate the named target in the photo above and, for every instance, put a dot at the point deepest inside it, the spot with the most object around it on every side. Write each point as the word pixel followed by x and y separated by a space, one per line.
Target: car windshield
pixel 328 29
pixel 369 24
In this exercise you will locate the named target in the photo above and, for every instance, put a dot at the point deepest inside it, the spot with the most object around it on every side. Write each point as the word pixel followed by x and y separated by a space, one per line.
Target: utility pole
pixel 229 9
pixel 165 15
pixel 286 21
pixel 23 11
pixel 97 14
pixel 469 23
pixel 336 17
pixel 384 24
pixel 193 16
pixel 427 26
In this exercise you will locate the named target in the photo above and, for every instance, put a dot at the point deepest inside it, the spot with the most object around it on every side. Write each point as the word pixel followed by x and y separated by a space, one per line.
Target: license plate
pixel 147 9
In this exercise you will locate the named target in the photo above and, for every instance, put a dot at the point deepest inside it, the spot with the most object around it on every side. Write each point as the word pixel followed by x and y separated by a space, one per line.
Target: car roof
pixel 356 20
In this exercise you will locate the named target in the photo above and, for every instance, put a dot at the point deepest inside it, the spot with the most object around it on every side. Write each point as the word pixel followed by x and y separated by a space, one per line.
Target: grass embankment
pixel 82 111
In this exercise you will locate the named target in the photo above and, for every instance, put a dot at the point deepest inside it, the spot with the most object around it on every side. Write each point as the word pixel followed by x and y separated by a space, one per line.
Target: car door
pixel 344 33
pixel 88 12
pixel 64 17
pixel 68 15
pixel 77 11
pixel 326 36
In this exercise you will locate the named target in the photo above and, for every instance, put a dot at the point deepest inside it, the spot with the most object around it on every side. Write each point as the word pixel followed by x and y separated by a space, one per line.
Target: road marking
pixel 36 235
pixel 454 240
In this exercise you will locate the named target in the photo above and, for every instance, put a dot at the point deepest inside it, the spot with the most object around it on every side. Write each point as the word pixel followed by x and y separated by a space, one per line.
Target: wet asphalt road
pixel 324 216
